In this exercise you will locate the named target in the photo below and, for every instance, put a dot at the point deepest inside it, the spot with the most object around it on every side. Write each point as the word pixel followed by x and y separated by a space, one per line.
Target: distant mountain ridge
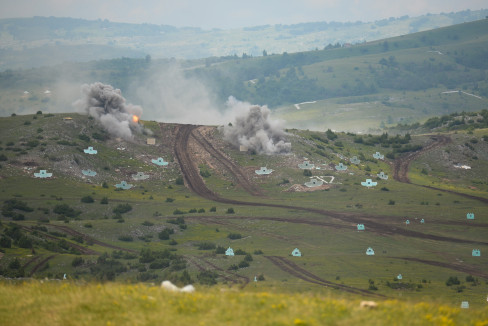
pixel 52 40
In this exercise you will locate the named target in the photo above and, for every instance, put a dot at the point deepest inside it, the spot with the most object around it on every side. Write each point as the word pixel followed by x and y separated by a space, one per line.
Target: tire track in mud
pixel 245 279
pixel 230 166
pixel 41 264
pixel 301 273
pixel 81 249
pixel 88 238
pixel 195 183
pixel 457 267
pixel 401 166
pixel 222 273
pixel 376 227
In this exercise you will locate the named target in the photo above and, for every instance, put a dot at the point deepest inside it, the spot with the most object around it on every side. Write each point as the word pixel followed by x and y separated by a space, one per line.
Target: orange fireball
pixel 135 118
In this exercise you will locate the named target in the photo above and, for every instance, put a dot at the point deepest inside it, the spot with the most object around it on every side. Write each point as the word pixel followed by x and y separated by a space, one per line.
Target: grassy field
pixel 68 303
pixel 97 244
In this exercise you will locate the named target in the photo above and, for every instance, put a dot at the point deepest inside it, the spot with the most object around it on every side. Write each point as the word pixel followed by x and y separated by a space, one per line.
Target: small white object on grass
pixel 167 285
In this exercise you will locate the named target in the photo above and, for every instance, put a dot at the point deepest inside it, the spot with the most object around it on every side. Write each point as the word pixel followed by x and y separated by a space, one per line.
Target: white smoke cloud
pixel 107 105
pixel 169 96
pixel 254 129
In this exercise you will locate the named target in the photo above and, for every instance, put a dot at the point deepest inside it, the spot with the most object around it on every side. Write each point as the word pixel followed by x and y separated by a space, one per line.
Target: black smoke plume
pixel 107 105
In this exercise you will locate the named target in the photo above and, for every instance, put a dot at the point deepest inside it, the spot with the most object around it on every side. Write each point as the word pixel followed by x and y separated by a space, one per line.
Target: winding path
pixel 401 166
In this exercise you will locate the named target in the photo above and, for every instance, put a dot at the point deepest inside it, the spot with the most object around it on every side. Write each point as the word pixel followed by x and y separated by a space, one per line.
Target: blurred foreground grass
pixel 49 303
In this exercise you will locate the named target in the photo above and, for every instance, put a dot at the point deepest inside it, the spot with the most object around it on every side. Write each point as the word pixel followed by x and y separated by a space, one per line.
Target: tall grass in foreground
pixel 33 303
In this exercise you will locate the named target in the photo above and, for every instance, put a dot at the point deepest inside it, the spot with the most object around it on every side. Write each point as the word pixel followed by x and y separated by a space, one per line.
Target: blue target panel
pixel 355 160
pixel 263 171
pixel 43 174
pixel 306 165
pixel 140 176
pixel 89 173
pixel 369 183
pixel 378 156
pixel 90 151
pixel 123 185
pixel 314 183
pixel 160 161
pixel 341 167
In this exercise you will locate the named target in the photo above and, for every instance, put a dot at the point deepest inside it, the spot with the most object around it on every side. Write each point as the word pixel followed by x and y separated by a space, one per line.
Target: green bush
pixel 230 210
pixel 87 199
pixel 126 238
pixel 77 261
pixel 206 246
pixel 122 208
pixel 453 280
pixel 207 277
pixel 179 181
pixel 234 236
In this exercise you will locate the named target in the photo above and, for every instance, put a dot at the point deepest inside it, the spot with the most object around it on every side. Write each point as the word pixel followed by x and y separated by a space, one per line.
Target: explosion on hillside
pixel 107 105
pixel 257 131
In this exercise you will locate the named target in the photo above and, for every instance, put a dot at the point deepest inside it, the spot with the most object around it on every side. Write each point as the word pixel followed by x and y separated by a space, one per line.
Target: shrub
pixel 258 252
pixel 213 209
pixel 193 210
pixel 7 243
pixel 147 223
pixel 126 238
pixel 66 210
pixel 87 199
pixel 104 201
pixel 179 181
pixel 234 236
pixel 205 173
pixel 169 200
pixel 243 264
pixel 201 210
pixel 84 138
pixel 391 202
pixel 230 210
pixel 233 267
pixel 219 250
pixel 207 277
pixel 206 246
pixel 248 257
pixel 178 212
pixel 452 280
pixel 159 263
pixel 122 208
pixel 307 173
pixel 165 233
pixel 88 225
pixel 77 261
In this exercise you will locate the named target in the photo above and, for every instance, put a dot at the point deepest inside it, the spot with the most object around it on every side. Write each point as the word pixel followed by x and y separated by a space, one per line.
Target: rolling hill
pixel 54 40
pixel 367 87
pixel 178 222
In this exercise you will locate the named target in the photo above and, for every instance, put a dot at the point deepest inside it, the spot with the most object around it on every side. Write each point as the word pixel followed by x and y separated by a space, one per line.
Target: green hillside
pixel 41 41
pixel 363 88
pixel 159 229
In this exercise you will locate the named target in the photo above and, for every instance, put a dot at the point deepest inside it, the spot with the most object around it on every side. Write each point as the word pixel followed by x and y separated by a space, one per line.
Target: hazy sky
pixel 225 14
